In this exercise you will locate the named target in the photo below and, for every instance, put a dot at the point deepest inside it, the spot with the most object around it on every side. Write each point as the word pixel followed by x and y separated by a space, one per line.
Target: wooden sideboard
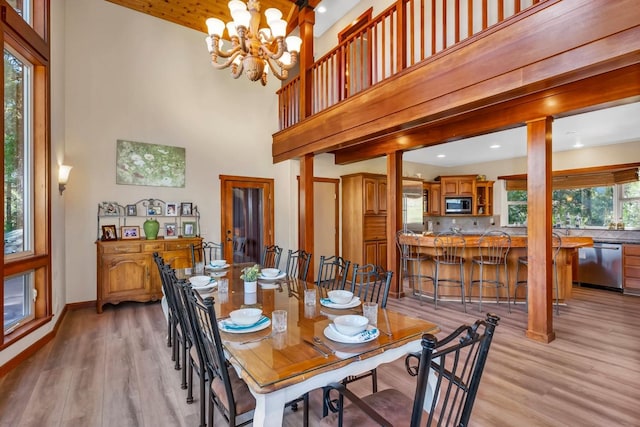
pixel 127 272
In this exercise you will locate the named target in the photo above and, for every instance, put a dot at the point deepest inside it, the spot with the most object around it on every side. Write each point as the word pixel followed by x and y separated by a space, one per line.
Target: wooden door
pixel 325 214
pixel 247 217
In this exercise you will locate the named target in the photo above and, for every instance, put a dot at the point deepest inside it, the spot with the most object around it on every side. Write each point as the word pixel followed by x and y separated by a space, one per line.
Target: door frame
pixel 336 183
pixel 226 208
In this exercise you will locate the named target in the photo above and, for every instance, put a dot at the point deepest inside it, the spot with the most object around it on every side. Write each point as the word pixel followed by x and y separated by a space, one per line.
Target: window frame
pixel 617 196
pixel 32 43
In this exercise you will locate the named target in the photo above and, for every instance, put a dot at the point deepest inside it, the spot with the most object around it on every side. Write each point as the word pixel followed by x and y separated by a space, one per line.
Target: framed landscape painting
pixel 139 163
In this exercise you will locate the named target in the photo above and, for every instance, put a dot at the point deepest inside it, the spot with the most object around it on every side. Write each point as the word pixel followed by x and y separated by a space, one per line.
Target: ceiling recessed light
pixel 440 156
pixel 321 9
pixel 494 146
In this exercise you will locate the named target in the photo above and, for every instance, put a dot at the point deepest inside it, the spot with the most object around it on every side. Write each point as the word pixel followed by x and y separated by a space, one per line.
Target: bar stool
pixel 493 246
pixel 411 260
pixel 523 261
pixel 449 251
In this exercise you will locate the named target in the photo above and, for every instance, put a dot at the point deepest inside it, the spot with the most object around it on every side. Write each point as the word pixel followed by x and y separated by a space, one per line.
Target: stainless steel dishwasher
pixel 601 265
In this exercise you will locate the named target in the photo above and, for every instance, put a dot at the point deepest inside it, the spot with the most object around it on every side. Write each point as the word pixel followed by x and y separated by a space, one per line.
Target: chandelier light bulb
pixel 231 29
pixel 236 5
pixel 293 43
pixel 272 14
pixel 215 27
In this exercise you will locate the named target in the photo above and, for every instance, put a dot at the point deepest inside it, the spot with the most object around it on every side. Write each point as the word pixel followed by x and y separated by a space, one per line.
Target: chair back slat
pixel 271 256
pixel 207 335
pixel 449 248
pixel 332 272
pixel 371 283
pixel 458 362
pixel 298 264
pixel 206 252
pixel 494 246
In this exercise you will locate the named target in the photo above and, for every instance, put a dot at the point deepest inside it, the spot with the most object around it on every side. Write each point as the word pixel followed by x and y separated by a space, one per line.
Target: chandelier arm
pixel 227 53
pixel 272 65
pixel 226 63
pixel 236 69
pixel 267 52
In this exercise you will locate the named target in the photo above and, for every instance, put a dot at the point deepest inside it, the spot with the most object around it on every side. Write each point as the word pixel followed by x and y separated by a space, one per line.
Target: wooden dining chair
pixel 449 373
pixel 298 264
pixel 332 272
pixel 271 256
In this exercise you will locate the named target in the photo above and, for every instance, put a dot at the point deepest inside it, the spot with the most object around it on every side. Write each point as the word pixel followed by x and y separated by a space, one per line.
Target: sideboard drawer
pixel 175 246
pixel 122 248
pixel 153 247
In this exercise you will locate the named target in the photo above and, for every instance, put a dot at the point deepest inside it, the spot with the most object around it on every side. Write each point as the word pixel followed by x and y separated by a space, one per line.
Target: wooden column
pixel 306 19
pixel 305 224
pixel 394 218
pixel 540 271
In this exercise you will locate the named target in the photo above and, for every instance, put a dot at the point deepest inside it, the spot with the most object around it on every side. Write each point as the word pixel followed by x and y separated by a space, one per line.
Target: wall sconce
pixel 63 177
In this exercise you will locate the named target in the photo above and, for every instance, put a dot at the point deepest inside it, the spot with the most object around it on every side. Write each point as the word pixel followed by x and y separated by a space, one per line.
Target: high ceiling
pixel 194 13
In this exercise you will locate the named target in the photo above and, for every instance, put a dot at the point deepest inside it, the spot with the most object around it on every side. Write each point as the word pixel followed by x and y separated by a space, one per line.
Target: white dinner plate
pixel 218 273
pixel 327 303
pixel 211 267
pixel 262 324
pixel 205 288
pixel 282 275
pixel 267 285
pixel 370 334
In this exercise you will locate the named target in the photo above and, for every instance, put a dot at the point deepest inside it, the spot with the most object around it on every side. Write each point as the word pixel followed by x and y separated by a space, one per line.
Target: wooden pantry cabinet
pixel 364 213
pixel 127 271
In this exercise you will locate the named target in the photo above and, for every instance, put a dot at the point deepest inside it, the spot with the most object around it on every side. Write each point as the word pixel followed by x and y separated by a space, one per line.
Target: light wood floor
pixel 114 369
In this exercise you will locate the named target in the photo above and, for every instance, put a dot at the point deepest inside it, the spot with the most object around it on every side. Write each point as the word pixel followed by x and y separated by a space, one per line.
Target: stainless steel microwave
pixel 458 205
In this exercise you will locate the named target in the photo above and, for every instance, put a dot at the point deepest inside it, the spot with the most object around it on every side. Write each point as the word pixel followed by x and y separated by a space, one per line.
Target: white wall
pixel 135 77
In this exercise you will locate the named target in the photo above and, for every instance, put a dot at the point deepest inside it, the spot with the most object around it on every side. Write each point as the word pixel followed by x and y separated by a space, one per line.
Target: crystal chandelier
pixel 252 49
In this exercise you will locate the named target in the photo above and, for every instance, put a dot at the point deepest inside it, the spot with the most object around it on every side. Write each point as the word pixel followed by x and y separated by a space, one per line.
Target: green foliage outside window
pixel 584 207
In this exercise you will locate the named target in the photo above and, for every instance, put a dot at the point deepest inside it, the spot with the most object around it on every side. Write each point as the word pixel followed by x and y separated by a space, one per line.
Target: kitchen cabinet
pixel 364 227
pixel 483 204
pixel 127 271
pixel 458 185
pixel 431 194
pixel 375 191
pixel 631 269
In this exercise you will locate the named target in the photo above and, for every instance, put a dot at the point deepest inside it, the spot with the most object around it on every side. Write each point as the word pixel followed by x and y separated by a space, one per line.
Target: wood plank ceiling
pixel 194 13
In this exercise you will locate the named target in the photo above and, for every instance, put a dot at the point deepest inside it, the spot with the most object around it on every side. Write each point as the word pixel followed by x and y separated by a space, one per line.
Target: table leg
pixel 269 409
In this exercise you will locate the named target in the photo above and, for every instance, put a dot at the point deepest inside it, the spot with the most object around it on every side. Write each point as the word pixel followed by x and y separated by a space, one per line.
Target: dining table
pixel 280 367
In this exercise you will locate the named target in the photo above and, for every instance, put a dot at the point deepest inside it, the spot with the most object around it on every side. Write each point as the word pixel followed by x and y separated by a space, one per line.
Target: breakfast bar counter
pixel 565 259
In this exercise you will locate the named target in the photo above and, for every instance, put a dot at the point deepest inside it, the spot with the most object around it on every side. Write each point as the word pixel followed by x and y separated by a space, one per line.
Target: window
pixel 517 207
pixel 19 296
pixel 592 207
pixel 630 204
pixel 26 267
pixel 23 8
pixel 18 150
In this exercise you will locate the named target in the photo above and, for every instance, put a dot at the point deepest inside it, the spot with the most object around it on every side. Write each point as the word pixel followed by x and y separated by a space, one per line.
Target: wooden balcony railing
pixel 394 40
